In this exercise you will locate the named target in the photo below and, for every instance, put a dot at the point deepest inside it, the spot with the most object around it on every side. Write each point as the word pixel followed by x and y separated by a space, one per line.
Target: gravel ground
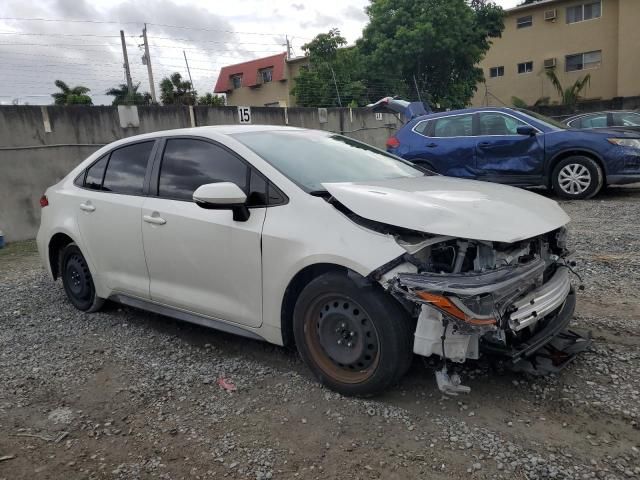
pixel 125 394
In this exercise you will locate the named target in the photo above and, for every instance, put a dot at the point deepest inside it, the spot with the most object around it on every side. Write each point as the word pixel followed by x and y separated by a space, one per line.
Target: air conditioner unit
pixel 550 15
pixel 550 63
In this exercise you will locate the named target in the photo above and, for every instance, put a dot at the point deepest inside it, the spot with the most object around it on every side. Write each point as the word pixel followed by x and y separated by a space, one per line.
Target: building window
pixel 524 22
pixel 496 72
pixel 586 11
pixel 525 67
pixel 583 61
pixel 236 81
pixel 266 75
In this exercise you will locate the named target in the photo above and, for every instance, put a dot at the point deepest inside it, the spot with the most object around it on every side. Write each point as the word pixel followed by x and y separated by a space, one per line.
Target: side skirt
pixel 184 316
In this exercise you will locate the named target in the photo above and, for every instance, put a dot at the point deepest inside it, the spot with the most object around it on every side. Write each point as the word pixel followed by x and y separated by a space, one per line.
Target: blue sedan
pixel 519 147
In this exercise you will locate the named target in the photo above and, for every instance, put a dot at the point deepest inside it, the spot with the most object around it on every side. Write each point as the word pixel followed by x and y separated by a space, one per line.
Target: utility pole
pixel 288 47
pixel 126 64
pixel 336 84
pixel 195 98
pixel 146 60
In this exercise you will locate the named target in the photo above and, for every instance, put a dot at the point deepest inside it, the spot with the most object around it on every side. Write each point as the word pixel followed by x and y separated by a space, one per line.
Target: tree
pixel 175 91
pixel 71 96
pixel 123 97
pixel 435 44
pixel 334 76
pixel 212 100
pixel 571 95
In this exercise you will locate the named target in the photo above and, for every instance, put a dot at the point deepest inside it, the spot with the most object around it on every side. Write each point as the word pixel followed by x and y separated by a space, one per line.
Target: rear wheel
pixel 77 280
pixel 577 177
pixel 354 338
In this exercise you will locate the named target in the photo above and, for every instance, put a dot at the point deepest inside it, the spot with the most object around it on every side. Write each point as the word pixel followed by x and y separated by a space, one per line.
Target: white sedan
pixel 299 236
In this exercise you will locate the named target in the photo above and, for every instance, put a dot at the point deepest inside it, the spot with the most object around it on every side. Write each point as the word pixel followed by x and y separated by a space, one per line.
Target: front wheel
pixel 355 338
pixel 577 178
pixel 77 280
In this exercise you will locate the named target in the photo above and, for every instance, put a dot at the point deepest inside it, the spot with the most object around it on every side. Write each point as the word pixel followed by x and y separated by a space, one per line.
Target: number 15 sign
pixel 244 114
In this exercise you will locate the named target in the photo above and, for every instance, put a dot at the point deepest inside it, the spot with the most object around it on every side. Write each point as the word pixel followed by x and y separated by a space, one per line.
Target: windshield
pixel 310 158
pixel 548 121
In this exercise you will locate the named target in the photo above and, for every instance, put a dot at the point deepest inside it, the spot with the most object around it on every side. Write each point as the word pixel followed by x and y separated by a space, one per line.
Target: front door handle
pixel 431 145
pixel 87 207
pixel 153 219
pixel 484 144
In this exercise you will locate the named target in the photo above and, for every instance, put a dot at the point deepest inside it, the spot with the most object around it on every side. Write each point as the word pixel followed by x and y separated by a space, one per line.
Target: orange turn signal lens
pixel 446 305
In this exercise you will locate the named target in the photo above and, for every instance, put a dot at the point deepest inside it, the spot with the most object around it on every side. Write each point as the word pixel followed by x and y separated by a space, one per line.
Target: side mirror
pixel 223 196
pixel 526 130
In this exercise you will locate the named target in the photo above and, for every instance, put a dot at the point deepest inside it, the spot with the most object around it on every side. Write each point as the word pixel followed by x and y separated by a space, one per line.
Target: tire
pixel 77 280
pixel 355 338
pixel 577 177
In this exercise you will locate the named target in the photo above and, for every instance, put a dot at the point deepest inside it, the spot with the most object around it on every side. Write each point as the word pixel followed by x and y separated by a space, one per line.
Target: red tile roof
pixel 249 72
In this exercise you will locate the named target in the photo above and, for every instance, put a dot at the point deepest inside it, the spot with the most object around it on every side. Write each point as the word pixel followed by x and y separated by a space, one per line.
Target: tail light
pixel 44 201
pixel 393 142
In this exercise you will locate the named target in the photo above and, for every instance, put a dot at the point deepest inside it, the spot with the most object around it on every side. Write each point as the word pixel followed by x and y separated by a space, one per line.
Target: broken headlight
pixel 477 311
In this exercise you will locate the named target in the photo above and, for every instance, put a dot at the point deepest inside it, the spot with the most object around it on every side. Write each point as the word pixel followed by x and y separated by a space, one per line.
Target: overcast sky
pixel 37 48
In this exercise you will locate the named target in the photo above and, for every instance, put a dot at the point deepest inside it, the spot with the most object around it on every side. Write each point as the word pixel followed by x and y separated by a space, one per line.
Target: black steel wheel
pixel 77 280
pixel 355 338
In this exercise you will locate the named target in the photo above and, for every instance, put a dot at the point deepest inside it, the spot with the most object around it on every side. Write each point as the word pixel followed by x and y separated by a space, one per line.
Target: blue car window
pixel 495 123
pixel 626 119
pixel 593 121
pixel 454 126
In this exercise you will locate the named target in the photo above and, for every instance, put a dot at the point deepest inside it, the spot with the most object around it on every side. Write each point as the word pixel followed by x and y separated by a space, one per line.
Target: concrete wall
pixel 35 154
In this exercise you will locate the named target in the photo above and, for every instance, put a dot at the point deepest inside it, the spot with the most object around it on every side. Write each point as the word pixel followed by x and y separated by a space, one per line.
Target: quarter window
pixel 583 61
pixel 95 173
pixel 454 126
pixel 524 22
pixel 187 164
pixel 585 11
pixel 126 169
pixel 525 67
pixel 496 72
pixel 495 123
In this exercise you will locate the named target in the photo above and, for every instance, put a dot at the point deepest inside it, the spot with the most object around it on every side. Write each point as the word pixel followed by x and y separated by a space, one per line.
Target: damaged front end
pixel 512 300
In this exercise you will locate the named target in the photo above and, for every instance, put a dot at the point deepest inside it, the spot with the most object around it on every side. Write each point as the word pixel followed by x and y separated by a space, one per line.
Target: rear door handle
pixel 87 207
pixel 484 144
pixel 431 145
pixel 155 220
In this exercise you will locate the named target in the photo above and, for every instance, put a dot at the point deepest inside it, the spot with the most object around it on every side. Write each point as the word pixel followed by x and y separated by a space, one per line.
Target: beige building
pixel 263 82
pixel 576 37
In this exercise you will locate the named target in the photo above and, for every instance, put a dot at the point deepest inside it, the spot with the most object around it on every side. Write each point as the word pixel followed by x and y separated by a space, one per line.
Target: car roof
pixel 210 131
pixel 466 110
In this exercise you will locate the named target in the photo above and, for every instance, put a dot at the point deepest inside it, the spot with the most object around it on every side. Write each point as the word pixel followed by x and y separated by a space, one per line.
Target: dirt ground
pixel 128 394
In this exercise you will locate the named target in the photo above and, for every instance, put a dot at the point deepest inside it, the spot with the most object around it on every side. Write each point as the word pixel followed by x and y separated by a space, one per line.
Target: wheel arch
pixel 573 152
pixel 56 244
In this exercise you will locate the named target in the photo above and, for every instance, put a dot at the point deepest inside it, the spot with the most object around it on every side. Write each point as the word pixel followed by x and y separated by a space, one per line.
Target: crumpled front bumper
pixel 550 349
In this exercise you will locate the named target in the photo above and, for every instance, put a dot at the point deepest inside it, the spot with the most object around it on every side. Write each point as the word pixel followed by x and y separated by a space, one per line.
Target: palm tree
pixel 122 96
pixel 571 94
pixel 71 96
pixel 175 91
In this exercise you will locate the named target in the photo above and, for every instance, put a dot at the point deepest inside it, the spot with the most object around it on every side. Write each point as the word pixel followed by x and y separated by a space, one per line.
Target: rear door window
pixel 126 169
pixel 189 163
pixel 454 126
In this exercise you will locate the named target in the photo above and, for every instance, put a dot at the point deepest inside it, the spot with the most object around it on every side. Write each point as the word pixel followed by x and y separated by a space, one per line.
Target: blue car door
pixel 502 155
pixel 446 144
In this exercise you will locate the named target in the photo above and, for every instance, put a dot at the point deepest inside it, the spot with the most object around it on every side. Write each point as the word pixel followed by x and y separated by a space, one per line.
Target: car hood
pixel 453 207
